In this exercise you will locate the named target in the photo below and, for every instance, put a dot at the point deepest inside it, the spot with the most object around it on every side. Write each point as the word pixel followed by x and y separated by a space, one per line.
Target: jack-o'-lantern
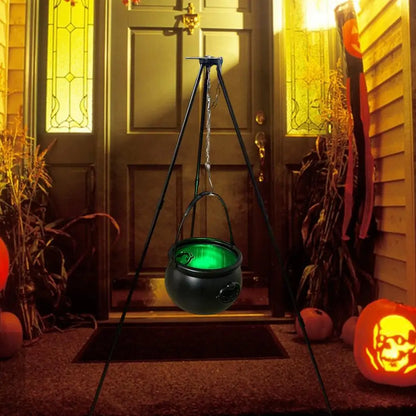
pixel 318 324
pixel 385 343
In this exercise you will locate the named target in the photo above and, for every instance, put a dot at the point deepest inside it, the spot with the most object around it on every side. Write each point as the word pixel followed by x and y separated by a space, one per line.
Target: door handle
pixel 260 142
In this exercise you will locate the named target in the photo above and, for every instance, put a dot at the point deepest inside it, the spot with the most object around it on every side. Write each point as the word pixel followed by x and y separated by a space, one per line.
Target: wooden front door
pixel 151 82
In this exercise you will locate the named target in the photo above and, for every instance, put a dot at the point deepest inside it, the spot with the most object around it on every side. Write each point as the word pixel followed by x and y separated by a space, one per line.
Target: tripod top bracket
pixel 209 60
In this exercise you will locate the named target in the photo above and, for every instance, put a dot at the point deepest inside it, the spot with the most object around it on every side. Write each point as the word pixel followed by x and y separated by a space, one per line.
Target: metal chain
pixel 208 131
pixel 217 95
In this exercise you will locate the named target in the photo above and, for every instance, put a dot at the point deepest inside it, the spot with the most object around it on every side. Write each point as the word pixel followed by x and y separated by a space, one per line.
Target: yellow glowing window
pixel 309 29
pixel 70 66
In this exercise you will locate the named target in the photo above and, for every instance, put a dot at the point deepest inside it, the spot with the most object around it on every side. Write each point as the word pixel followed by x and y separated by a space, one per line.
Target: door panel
pixel 228 4
pixel 231 183
pixel 234 47
pixel 143 200
pixel 151 82
pixel 81 184
pixel 159 109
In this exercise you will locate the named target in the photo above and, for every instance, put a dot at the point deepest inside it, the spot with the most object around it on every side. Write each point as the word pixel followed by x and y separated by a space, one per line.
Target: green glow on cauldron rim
pixel 205 256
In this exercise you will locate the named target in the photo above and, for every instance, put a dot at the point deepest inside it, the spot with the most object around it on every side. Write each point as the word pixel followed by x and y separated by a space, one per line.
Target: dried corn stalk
pixel 330 281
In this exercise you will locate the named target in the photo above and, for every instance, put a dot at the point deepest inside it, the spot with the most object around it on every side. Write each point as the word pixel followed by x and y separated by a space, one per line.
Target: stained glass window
pixel 70 66
pixel 308 28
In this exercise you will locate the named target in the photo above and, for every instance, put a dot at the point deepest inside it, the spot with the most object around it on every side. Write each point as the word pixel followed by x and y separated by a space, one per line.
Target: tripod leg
pixel 147 243
pixel 201 136
pixel 271 235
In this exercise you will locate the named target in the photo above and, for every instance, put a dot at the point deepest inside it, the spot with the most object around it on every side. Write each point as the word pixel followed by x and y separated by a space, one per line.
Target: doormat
pixel 183 341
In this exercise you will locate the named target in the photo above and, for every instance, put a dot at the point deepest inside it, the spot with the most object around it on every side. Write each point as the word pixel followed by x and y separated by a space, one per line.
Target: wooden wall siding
pixel 4 38
pixel 411 87
pixel 16 59
pixel 383 27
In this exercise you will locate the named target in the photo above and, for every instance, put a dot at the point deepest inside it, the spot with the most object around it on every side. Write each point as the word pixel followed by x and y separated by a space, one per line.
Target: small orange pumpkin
pixel 4 264
pixel 385 343
pixel 11 334
pixel 318 324
pixel 348 330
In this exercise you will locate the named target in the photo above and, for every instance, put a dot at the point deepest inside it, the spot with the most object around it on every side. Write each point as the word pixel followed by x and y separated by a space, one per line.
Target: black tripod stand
pixel 206 63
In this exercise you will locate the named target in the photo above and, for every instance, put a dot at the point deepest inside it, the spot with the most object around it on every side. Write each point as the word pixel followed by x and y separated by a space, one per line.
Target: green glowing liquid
pixel 205 256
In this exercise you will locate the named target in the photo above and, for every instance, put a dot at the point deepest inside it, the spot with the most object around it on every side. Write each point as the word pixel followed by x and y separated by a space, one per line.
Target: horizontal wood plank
pixel 388 143
pixel 394 293
pixel 390 271
pixel 384 45
pixel 390 168
pixel 389 194
pixel 391 245
pixel 386 68
pixel 382 21
pixel 369 11
pixel 387 117
pixel 391 219
pixel 387 93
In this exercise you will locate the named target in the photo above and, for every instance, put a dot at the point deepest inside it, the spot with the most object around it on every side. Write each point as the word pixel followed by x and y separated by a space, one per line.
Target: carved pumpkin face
pixel 394 342
pixel 385 343
pixel 350 35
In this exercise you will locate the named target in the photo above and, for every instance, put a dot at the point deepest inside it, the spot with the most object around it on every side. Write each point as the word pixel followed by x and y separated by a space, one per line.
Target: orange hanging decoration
pixel 385 343
pixel 359 196
pixel 4 265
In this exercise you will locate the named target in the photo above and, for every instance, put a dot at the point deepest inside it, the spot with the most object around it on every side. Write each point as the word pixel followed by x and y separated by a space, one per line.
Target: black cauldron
pixel 204 274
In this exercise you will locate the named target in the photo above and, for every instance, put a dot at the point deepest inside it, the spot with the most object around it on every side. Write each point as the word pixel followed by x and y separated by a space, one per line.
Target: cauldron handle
pixel 193 203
